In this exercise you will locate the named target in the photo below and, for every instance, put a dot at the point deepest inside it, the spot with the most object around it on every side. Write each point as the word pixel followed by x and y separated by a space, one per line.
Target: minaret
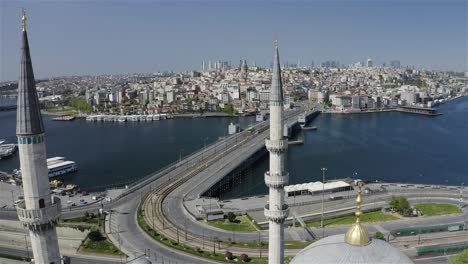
pixel 39 212
pixel 276 211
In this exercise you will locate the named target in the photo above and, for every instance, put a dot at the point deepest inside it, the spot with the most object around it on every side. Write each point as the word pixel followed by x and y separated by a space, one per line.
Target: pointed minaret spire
pixel 23 20
pixel 28 120
pixel 276 93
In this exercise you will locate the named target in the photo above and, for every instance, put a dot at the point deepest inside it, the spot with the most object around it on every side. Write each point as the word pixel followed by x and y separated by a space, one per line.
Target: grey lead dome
pixel 334 250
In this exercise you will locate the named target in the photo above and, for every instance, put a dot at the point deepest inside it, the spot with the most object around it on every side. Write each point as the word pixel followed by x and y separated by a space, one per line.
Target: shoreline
pixel 387 110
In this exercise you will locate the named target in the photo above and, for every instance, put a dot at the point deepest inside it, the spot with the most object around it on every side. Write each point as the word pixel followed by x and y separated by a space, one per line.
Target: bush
pixel 229 255
pixel 199 250
pixel 95 235
pixel 231 217
pixel 244 258
pixel 379 235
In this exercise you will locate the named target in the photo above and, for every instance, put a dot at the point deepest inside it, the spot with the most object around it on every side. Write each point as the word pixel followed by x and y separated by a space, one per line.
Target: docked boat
pixel 156 117
pixel 7 150
pixel 149 118
pixel 122 119
pixel 64 118
pixel 58 166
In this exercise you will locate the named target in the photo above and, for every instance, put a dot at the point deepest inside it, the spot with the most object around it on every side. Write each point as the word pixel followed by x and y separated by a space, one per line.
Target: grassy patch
pixel 369 217
pixel 461 258
pixel 243 224
pixel 218 256
pixel 100 247
pixel 433 209
pixel 88 219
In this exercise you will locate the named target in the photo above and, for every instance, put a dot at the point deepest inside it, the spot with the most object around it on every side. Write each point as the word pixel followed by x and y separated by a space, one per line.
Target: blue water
pixel 395 147
pixel 384 146
pixel 114 153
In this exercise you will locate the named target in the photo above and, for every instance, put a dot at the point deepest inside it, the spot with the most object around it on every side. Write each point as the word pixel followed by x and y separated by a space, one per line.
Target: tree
pixel 244 258
pixel 400 204
pixel 461 258
pixel 229 255
pixel 80 104
pixel 95 235
pixel 231 217
pixel 228 108
pixel 379 235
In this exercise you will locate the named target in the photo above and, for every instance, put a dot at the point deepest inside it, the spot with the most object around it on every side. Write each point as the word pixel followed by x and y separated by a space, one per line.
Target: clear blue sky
pixel 94 37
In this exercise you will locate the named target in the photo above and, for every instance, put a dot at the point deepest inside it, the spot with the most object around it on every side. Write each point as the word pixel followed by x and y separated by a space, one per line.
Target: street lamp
pixel 180 155
pixel 323 193
pixel 204 147
pixel 461 194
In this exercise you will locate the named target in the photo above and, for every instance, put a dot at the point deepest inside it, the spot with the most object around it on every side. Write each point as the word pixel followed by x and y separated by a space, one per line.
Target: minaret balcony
pixel 35 218
pixel 276 180
pixel 277 146
pixel 276 215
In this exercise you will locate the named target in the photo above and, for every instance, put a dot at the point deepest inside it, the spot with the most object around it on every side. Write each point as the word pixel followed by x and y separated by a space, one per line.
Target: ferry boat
pixel 58 166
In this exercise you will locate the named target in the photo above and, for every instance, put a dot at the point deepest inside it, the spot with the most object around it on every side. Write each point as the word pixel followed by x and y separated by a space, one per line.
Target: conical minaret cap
pixel 28 119
pixel 276 92
pixel 357 235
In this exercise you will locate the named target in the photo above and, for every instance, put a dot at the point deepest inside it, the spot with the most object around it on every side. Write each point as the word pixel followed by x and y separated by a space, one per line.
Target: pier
pixel 418 110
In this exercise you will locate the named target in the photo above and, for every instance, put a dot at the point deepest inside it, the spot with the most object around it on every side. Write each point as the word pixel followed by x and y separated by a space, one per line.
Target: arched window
pixel 41 203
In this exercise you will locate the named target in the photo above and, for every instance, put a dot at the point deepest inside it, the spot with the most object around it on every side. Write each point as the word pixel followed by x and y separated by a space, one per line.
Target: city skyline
pixel 149 37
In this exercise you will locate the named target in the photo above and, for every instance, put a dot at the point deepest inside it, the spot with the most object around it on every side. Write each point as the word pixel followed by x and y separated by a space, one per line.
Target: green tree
pixel 95 235
pixel 231 217
pixel 228 108
pixel 461 258
pixel 80 104
pixel 400 204
pixel 379 235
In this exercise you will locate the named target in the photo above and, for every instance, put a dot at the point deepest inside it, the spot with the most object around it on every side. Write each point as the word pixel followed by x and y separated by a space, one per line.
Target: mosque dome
pixel 334 249
pixel 354 247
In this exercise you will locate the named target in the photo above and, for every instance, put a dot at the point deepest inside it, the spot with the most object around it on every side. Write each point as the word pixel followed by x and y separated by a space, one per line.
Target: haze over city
pixel 108 37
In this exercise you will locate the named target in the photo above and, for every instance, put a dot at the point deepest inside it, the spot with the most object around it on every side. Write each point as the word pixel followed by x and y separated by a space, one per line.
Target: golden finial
pixel 24 19
pixel 357 235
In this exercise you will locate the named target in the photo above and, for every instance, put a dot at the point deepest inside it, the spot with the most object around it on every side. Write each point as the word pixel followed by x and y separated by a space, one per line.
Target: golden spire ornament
pixel 23 20
pixel 357 235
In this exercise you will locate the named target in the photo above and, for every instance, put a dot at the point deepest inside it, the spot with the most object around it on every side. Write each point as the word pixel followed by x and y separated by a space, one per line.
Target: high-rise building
pixel 369 63
pixel 39 212
pixel 395 64
pixel 276 211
